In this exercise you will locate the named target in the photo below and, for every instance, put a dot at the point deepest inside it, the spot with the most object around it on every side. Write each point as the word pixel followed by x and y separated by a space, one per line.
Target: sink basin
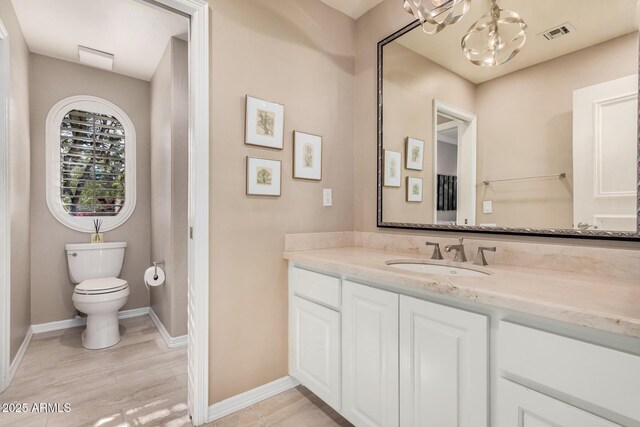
pixel 428 267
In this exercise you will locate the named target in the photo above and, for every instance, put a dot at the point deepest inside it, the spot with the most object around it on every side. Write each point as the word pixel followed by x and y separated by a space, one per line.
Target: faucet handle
pixel 436 250
pixel 480 259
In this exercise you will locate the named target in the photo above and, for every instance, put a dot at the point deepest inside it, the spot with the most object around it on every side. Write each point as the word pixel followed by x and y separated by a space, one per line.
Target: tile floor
pixel 139 382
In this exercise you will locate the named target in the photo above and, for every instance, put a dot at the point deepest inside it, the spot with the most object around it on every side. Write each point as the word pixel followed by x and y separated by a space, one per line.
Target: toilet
pixel 99 293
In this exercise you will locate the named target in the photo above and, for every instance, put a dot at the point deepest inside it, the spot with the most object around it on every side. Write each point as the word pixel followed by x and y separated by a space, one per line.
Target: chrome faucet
pixel 459 248
pixel 480 259
pixel 436 250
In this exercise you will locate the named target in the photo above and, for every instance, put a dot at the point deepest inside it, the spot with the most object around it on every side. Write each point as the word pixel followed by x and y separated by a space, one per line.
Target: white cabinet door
pixel 443 366
pixel 314 354
pixel 519 406
pixel 369 356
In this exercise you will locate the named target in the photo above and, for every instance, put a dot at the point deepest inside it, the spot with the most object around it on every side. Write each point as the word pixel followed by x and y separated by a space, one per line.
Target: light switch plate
pixel 487 206
pixel 327 197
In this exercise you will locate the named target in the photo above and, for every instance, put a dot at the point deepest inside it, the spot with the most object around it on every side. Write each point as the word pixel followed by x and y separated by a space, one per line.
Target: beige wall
pixel 169 185
pixel 372 27
pixel 411 83
pixel 299 53
pixel 20 175
pixel 51 289
pixel 525 128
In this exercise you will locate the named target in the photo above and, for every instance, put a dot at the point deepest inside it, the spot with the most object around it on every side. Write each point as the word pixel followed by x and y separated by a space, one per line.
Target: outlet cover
pixel 487 206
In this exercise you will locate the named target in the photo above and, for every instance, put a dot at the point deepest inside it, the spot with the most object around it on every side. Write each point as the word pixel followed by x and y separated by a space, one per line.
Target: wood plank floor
pixel 139 382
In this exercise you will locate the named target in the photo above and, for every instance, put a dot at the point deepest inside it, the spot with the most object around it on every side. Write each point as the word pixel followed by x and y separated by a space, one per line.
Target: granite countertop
pixel 598 302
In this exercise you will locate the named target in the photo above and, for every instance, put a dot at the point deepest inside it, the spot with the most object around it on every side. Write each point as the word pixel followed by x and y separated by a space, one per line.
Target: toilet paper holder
pixel 155 266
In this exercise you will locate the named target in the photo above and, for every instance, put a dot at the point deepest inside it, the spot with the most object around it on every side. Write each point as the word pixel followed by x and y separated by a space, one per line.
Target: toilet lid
pixel 101 286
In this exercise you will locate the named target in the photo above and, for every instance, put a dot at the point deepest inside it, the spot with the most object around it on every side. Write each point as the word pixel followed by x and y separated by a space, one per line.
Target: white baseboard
pixel 172 342
pixel 74 323
pixel 13 368
pixel 248 398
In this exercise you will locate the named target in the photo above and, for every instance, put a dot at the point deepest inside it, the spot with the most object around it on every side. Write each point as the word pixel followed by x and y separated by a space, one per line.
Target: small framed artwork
pixel 392 166
pixel 414 154
pixel 307 156
pixel 414 189
pixel 263 177
pixel 264 123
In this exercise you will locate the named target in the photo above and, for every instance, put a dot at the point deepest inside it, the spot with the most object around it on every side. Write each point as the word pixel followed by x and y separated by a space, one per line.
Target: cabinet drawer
pixel 315 286
pixel 520 406
pixel 598 375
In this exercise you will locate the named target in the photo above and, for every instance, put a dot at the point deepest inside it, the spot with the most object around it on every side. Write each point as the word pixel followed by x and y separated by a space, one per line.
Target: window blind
pixel 92 164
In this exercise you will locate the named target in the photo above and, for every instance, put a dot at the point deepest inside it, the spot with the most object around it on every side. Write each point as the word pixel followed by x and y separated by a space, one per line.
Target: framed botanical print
pixel 414 151
pixel 392 168
pixel 263 177
pixel 307 156
pixel 264 123
pixel 414 189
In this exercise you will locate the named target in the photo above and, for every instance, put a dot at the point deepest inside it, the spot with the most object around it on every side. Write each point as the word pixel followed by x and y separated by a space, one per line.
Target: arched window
pixel 90 163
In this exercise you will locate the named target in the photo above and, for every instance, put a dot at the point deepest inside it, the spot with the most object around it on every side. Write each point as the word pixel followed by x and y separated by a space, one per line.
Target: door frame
pixel 198 248
pixel 198 252
pixel 5 211
pixel 467 148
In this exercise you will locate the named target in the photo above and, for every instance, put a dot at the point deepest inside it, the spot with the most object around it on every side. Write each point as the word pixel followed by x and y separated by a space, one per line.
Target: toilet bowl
pixel 100 300
pixel 99 292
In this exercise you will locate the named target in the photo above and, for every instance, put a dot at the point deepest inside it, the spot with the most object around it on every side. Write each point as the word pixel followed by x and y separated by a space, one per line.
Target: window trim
pixel 53 191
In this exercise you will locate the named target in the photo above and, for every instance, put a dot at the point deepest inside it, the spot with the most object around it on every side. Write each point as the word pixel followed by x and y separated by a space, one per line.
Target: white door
pixel 443 366
pixel 605 154
pixel 519 406
pixel 315 349
pixel 369 356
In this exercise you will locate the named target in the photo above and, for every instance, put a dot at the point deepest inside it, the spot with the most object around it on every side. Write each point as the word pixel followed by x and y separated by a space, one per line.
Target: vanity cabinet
pixel 369 355
pixel 385 360
pixel 382 358
pixel 443 366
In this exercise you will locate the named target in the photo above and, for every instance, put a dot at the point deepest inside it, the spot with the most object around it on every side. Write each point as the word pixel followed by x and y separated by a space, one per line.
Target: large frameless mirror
pixel 512 117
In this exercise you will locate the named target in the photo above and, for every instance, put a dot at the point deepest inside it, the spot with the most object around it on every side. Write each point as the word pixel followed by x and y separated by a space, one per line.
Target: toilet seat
pixel 101 286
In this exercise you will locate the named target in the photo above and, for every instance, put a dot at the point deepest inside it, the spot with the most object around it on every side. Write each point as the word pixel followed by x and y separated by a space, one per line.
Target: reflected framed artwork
pixel 414 154
pixel 263 177
pixel 414 189
pixel 264 124
pixel 392 168
pixel 307 156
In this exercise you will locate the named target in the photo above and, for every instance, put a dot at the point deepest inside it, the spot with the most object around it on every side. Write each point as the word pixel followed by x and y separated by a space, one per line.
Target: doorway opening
pixel 454 172
pixel 196 203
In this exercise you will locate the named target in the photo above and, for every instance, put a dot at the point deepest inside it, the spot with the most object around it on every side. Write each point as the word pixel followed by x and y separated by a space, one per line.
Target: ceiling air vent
pixel 559 31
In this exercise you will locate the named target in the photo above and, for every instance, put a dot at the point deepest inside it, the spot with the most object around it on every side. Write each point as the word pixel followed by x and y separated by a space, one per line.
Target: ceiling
pixel 135 32
pixel 595 21
pixel 354 8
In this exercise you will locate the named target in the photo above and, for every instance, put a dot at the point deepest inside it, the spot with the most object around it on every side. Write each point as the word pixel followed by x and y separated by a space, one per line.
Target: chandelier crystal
pixel 435 15
pixel 497 37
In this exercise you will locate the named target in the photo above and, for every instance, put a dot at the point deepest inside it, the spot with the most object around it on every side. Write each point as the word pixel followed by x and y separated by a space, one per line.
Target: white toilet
pixel 95 268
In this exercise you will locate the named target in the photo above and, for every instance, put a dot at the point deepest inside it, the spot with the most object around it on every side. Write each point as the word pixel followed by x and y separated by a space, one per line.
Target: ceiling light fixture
pixel 497 37
pixel 435 15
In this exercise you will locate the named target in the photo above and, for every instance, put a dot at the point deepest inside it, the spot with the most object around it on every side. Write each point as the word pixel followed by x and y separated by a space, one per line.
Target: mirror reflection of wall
pixel 556 129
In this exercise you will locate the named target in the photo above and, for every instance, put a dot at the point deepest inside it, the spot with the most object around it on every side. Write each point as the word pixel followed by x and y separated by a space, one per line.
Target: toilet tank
pixel 95 260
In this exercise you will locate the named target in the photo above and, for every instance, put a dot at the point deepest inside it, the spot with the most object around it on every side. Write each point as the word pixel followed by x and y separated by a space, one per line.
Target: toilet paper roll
pixel 154 276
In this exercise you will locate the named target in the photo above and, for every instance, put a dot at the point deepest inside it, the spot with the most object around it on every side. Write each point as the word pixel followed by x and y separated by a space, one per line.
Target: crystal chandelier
pixel 496 38
pixel 435 15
